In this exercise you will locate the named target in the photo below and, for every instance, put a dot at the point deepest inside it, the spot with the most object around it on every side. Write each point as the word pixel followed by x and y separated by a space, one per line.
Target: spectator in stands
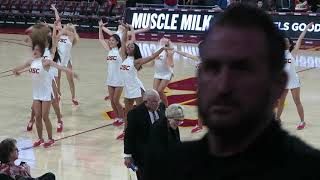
pixel 271 5
pixel 156 1
pixel 317 6
pixel 131 3
pixel 100 2
pixel 171 4
pixel 8 154
pixel 202 2
pixel 223 4
pixel 187 2
pixel 302 6
pixel 285 5
pixel 314 5
pixel 260 4
pixel 113 4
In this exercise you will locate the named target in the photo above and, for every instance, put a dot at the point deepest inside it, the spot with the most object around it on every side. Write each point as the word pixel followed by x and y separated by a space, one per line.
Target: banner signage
pixel 196 22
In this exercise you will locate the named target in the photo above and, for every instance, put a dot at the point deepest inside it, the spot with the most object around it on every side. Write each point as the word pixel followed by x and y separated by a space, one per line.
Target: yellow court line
pixel 105 115
pixel 185 102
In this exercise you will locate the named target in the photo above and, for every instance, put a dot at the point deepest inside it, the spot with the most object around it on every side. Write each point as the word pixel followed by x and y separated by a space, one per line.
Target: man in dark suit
pixel 240 78
pixel 164 136
pixel 141 120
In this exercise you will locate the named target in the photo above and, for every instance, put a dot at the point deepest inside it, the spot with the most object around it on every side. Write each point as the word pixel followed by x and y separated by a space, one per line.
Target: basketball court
pixel 87 148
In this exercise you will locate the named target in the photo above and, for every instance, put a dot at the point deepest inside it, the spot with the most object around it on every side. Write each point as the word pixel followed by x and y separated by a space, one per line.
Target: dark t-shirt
pixel 275 155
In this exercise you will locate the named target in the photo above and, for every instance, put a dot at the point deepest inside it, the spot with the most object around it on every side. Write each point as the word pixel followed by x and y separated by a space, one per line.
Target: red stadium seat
pixel 27 12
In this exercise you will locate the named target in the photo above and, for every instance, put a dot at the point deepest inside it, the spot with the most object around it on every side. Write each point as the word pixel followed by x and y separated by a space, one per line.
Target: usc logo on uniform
pixel 63 40
pixel 34 70
pixel 111 58
pixel 124 67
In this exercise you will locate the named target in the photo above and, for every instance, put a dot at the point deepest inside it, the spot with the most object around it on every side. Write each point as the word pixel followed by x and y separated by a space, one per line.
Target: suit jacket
pixel 162 138
pixel 138 131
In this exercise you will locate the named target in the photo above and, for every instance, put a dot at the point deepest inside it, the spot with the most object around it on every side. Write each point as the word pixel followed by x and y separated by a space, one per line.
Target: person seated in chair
pixel 9 153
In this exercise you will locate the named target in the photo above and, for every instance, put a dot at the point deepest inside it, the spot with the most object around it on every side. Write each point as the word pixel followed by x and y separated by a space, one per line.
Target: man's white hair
pixel 150 93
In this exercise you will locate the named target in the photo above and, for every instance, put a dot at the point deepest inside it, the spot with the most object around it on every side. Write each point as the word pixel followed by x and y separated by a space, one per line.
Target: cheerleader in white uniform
pixel 199 126
pixel 67 38
pixel 163 69
pixel 293 79
pixel 52 53
pixel 42 32
pixel 42 89
pixel 64 49
pixel 121 29
pixel 190 56
pixel 36 27
pixel 115 81
pixel 133 61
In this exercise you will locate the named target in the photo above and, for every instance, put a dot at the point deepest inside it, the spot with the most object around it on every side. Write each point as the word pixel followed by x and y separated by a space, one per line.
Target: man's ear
pixel 278 85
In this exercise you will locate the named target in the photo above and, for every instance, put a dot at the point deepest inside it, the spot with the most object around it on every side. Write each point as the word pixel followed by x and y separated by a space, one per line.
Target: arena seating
pixel 26 12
